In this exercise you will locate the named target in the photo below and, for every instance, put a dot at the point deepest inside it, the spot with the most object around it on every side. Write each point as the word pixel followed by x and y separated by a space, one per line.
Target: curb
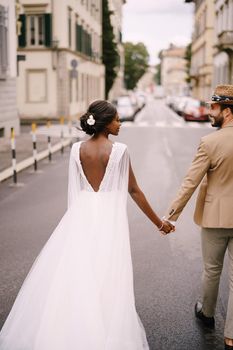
pixel 5 174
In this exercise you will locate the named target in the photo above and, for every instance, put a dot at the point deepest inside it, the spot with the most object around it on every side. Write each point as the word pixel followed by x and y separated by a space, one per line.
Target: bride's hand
pixel 167 227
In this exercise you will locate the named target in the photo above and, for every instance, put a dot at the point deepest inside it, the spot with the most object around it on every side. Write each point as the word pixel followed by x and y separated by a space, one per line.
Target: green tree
pixel 158 74
pixel 188 57
pixel 110 56
pixel 136 63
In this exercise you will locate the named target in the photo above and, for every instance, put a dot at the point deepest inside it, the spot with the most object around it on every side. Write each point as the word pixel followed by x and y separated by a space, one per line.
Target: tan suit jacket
pixel 213 164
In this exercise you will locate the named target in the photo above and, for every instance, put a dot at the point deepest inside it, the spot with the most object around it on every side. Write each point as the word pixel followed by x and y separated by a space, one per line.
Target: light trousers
pixel 215 243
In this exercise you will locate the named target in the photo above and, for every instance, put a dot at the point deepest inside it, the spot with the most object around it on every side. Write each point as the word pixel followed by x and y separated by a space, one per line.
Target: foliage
pixel 136 63
pixel 110 56
pixel 158 74
pixel 188 57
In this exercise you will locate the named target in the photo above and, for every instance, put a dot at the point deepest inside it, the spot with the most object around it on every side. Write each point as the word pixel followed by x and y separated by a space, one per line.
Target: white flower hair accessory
pixel 90 120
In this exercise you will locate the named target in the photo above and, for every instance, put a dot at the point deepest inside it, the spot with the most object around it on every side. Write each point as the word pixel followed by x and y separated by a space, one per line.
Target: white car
pixel 125 108
pixel 141 99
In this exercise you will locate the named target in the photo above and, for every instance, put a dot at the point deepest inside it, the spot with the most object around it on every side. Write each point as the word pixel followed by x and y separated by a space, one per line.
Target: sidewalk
pixel 24 146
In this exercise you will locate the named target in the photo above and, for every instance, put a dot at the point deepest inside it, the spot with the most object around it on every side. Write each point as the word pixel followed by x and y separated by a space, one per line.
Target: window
pixel 79 30
pixel 2 132
pixel 3 43
pixel 36 30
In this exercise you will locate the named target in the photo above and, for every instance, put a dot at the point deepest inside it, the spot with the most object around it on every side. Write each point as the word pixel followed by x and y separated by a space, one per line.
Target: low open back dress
pixel 78 294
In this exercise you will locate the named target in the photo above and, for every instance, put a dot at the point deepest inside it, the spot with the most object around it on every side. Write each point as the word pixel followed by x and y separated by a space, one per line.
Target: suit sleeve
pixel 195 174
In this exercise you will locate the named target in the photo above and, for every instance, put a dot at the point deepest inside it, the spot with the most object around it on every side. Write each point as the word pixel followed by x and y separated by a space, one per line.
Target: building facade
pixel 116 20
pixel 174 70
pixel 147 82
pixel 201 71
pixel 62 44
pixel 8 69
pixel 223 42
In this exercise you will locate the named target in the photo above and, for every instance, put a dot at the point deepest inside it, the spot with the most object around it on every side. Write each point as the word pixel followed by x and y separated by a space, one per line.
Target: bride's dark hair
pixel 103 113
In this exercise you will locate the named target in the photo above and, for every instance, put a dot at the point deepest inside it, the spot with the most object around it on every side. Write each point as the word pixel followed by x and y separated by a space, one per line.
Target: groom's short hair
pixel 224 106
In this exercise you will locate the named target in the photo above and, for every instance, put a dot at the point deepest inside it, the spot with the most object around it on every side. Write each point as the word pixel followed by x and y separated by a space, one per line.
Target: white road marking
pixel 127 124
pixel 193 125
pixel 167 148
pixel 144 123
pixel 178 125
pixel 161 124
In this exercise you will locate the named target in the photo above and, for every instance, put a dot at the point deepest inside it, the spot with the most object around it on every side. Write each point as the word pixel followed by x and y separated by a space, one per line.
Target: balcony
pixel 225 40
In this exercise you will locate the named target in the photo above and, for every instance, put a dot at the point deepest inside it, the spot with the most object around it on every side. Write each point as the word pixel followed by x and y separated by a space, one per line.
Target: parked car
pixel 169 101
pixel 173 102
pixel 126 109
pixel 141 99
pixel 179 104
pixel 195 110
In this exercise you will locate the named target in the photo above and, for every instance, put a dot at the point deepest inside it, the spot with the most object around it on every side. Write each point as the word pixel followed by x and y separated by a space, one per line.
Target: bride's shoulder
pixel 75 144
pixel 121 145
pixel 74 148
pixel 122 148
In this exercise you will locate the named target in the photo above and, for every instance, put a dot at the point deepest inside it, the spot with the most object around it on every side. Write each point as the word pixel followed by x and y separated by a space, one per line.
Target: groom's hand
pixel 167 227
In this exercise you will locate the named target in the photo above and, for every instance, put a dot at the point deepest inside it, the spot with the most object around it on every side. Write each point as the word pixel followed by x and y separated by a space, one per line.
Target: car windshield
pixel 194 103
pixel 124 102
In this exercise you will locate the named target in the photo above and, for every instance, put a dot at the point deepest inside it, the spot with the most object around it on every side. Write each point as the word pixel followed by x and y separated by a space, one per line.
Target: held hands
pixel 166 227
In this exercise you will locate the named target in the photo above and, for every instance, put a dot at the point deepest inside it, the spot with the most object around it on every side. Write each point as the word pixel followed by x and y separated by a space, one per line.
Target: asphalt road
pixel 167 270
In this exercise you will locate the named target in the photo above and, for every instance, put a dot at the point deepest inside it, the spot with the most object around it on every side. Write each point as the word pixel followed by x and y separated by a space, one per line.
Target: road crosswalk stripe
pixel 164 124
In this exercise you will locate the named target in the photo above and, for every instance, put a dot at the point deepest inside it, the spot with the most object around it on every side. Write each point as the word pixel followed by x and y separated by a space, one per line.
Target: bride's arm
pixel 140 199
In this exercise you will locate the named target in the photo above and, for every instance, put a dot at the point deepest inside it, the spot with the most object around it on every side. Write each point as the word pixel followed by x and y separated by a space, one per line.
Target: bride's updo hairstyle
pixel 99 114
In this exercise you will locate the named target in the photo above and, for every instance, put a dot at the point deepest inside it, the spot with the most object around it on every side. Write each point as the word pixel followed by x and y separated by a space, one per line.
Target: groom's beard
pixel 216 121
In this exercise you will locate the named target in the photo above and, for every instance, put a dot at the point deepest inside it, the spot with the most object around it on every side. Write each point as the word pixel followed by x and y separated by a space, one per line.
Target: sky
pixel 157 23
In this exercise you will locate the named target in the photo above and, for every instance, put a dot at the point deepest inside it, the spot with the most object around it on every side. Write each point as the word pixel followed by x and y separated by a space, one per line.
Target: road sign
pixel 74 63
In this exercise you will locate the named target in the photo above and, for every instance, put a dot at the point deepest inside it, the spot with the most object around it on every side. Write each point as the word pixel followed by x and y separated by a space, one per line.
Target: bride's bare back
pixel 94 157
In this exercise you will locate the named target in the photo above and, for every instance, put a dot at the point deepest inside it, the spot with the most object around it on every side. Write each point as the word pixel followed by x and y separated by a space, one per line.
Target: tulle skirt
pixel 79 293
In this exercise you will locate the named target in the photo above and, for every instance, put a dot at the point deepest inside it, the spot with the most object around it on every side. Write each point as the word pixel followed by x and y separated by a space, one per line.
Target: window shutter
pixel 78 38
pixel 120 36
pixel 90 45
pixel 82 40
pixel 85 42
pixel 22 36
pixel 48 29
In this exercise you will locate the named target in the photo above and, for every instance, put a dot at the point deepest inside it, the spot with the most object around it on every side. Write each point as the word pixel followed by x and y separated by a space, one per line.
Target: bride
pixel 78 294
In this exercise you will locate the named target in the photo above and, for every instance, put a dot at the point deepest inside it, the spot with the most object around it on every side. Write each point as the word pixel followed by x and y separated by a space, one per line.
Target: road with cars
pixel 167 270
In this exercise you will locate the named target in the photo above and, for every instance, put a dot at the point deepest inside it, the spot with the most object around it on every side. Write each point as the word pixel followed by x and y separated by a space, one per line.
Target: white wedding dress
pixel 79 292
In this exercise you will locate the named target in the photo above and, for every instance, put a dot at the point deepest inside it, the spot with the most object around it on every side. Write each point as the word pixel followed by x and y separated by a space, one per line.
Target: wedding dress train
pixel 78 294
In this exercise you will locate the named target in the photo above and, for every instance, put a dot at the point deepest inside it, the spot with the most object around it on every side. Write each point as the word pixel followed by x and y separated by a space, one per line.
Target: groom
pixel 213 165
